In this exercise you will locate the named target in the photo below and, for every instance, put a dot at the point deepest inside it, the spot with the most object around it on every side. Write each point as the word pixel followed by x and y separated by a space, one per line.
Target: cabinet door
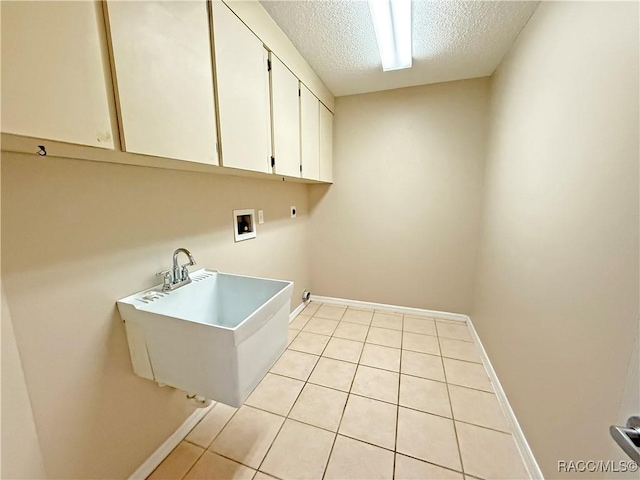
pixel 55 75
pixel 326 144
pixel 163 68
pixel 243 93
pixel 310 134
pixel 285 113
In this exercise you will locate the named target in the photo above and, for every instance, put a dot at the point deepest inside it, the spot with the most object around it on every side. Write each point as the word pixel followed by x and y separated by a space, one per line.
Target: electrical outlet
pixel 260 217
pixel 294 212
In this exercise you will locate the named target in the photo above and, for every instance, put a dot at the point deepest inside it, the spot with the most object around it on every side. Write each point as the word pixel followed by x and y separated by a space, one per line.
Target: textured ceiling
pixel 452 40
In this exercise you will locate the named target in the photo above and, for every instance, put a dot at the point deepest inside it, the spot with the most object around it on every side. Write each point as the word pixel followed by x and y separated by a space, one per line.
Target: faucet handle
pixel 184 272
pixel 166 277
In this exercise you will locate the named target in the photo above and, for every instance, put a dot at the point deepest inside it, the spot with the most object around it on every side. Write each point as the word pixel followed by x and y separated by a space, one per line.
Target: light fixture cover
pixel 392 24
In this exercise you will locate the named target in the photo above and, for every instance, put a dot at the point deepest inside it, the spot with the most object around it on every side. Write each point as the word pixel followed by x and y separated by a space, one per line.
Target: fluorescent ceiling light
pixel 392 23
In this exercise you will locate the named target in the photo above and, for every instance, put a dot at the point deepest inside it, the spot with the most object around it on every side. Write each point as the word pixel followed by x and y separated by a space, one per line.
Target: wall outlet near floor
pixel 260 217
pixel 294 211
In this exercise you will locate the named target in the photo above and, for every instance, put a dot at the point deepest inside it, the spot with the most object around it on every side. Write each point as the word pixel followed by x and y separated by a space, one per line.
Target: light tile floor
pixel 359 394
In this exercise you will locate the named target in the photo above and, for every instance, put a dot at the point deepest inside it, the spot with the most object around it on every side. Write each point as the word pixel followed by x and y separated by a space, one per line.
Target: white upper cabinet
pixel 175 79
pixel 310 134
pixel 164 75
pixel 243 93
pixel 55 78
pixel 285 114
pixel 326 144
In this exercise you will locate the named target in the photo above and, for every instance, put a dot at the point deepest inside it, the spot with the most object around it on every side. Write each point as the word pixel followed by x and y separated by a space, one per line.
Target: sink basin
pixel 216 337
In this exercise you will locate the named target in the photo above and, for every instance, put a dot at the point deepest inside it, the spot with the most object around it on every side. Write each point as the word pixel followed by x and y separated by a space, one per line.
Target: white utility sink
pixel 215 337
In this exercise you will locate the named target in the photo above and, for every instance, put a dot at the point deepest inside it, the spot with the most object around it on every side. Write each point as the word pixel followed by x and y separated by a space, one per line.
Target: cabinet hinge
pixel 268 65
pixel 273 161
pixel 299 93
pixel 300 168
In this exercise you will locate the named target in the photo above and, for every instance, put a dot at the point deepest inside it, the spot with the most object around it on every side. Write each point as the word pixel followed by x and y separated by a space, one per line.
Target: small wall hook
pixel 42 152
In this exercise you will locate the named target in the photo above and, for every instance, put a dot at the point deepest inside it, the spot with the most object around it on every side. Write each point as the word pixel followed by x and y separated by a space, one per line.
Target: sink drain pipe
pixel 199 401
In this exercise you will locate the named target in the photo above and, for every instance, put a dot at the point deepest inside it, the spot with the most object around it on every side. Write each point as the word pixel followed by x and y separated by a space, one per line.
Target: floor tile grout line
pixel 295 420
pixel 304 386
pixel 368 398
pixel 194 463
pixel 395 444
pixel 231 417
pixel 336 433
pixel 223 427
pixel 382 344
pixel 475 477
pixel 393 312
pixel 378 368
pixel 453 420
pixel 326 465
pixel 399 380
pixel 172 450
pixel 205 449
pixel 369 326
pixel 482 426
pixel 395 452
pixel 345 403
pixel 285 417
pixel 266 454
pixel 388 328
pixel 295 401
pixel 289 347
pixel 366 340
pixel 404 330
pixel 461 360
pixel 208 448
pixel 230 459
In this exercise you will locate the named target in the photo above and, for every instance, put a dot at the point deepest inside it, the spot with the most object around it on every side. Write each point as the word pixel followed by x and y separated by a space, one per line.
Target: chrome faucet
pixel 178 275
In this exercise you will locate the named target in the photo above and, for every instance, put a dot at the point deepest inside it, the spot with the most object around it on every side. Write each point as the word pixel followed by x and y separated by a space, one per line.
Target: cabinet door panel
pixel 285 113
pixel 163 67
pixel 310 137
pixel 243 92
pixel 55 74
pixel 326 144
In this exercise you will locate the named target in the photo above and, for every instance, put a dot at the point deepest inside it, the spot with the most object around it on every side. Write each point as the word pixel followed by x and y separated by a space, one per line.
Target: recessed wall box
pixel 244 224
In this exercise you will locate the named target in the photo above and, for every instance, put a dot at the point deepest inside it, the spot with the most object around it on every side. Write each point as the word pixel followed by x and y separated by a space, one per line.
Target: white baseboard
pixel 298 309
pixel 525 451
pixel 421 312
pixel 523 446
pixel 169 444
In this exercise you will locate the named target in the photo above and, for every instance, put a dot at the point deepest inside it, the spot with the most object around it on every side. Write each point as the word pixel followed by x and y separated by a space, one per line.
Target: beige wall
pixel 555 295
pixel 76 236
pixel 21 455
pixel 400 223
pixel 556 292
